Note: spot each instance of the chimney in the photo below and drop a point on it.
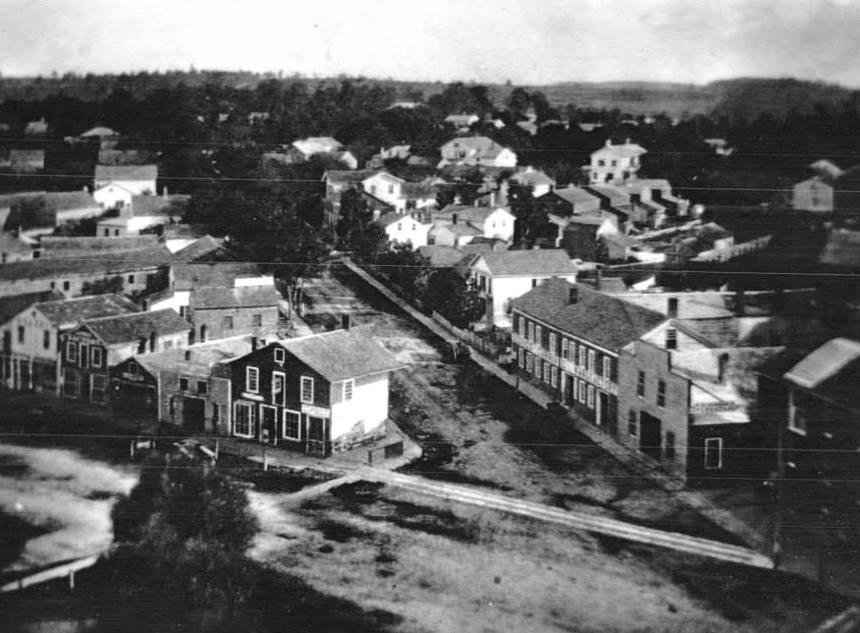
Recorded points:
(345, 322)
(84, 189)
(572, 295)
(609, 142)
(627, 141)
(188, 354)
(453, 218)
(164, 192)
(253, 343)
(723, 362)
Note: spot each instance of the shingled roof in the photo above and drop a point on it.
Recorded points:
(127, 328)
(342, 354)
(602, 319)
(525, 263)
(107, 173)
(14, 304)
(70, 312)
(106, 263)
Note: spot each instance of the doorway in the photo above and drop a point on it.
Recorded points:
(193, 414)
(268, 427)
(317, 436)
(650, 436)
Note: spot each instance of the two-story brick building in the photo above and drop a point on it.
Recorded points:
(30, 357)
(91, 349)
(227, 312)
(317, 394)
(568, 337)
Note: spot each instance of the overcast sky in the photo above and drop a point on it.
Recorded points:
(526, 41)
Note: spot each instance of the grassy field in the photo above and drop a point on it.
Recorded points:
(443, 567)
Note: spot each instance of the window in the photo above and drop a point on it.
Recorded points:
(141, 346)
(71, 351)
(84, 356)
(97, 356)
(661, 393)
(670, 445)
(590, 397)
(671, 338)
(246, 420)
(70, 385)
(65, 285)
(713, 453)
(307, 395)
(538, 367)
(257, 320)
(564, 348)
(280, 355)
(546, 372)
(227, 323)
(582, 391)
(279, 382)
(348, 386)
(522, 323)
(607, 368)
(640, 384)
(183, 384)
(21, 333)
(252, 379)
(601, 163)
(521, 358)
(400, 226)
(292, 425)
(632, 423)
(581, 355)
(591, 360)
(553, 343)
(202, 387)
(534, 283)
(531, 331)
(796, 416)
(183, 312)
(46, 339)
(539, 335)
(529, 362)
(131, 279)
(553, 377)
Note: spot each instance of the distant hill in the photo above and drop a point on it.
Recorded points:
(743, 97)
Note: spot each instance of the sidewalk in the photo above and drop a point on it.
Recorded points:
(336, 465)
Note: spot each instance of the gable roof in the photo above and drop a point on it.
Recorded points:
(347, 176)
(131, 327)
(70, 312)
(107, 173)
(466, 213)
(573, 195)
(623, 150)
(602, 319)
(441, 256)
(532, 177)
(197, 359)
(99, 131)
(842, 249)
(392, 217)
(459, 229)
(200, 275)
(526, 263)
(241, 297)
(199, 248)
(317, 145)
(107, 263)
(43, 207)
(146, 205)
(480, 146)
(342, 354)
(615, 196)
(15, 304)
(824, 362)
(53, 246)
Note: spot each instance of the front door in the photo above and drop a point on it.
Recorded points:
(193, 414)
(317, 436)
(606, 416)
(650, 436)
(268, 430)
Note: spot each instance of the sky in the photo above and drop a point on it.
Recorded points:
(524, 41)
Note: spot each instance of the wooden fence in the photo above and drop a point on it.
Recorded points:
(473, 340)
(63, 570)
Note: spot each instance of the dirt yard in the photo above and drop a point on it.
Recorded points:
(446, 567)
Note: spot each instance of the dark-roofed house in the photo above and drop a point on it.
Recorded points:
(218, 312)
(581, 237)
(567, 338)
(403, 229)
(53, 246)
(32, 325)
(476, 150)
(92, 348)
(318, 394)
(115, 185)
(187, 388)
(569, 201)
(141, 270)
(503, 276)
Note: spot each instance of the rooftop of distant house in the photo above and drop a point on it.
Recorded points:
(465, 213)
(53, 246)
(69, 312)
(199, 248)
(572, 194)
(602, 319)
(99, 131)
(317, 145)
(530, 262)
(224, 274)
(342, 354)
(132, 327)
(348, 176)
(14, 304)
(241, 297)
(622, 150)
(152, 205)
(533, 177)
(108, 173)
(107, 263)
(441, 256)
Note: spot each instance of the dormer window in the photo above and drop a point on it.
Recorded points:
(280, 356)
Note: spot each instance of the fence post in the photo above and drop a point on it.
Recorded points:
(216, 448)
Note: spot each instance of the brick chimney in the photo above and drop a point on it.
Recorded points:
(254, 343)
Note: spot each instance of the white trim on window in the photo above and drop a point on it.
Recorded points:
(97, 357)
(279, 375)
(280, 356)
(592, 357)
(607, 368)
(251, 419)
(252, 379)
(590, 396)
(298, 418)
(710, 443)
(307, 382)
